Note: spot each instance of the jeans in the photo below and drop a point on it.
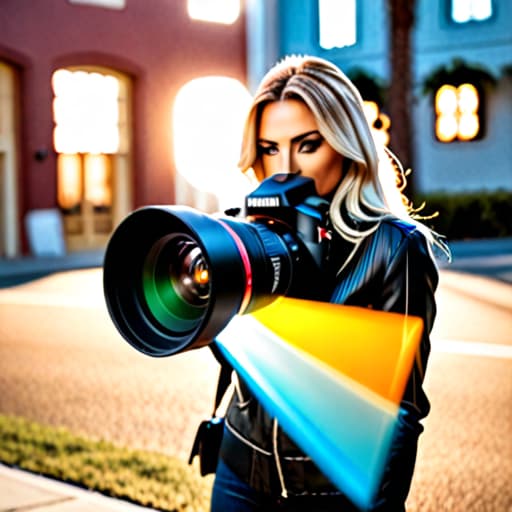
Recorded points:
(231, 494)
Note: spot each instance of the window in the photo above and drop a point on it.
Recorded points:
(471, 10)
(216, 11)
(91, 137)
(86, 112)
(109, 4)
(457, 113)
(337, 23)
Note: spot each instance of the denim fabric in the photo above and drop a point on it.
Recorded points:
(231, 494)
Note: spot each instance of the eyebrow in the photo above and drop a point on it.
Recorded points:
(296, 139)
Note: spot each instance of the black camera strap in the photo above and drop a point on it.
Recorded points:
(224, 376)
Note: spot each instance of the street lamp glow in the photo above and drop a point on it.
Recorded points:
(208, 118)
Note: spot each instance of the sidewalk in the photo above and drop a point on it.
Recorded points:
(20, 270)
(21, 490)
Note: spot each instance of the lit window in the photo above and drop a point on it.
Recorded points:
(471, 10)
(69, 181)
(457, 113)
(86, 112)
(337, 19)
(216, 11)
(87, 129)
(82, 177)
(379, 122)
(109, 4)
(98, 183)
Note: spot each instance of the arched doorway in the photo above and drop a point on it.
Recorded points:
(92, 138)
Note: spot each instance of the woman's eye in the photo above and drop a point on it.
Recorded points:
(267, 150)
(310, 146)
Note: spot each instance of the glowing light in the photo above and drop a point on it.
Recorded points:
(371, 111)
(208, 117)
(468, 126)
(378, 121)
(457, 113)
(329, 358)
(446, 100)
(201, 276)
(467, 98)
(446, 128)
(98, 188)
(317, 334)
(467, 10)
(69, 181)
(338, 22)
(109, 4)
(217, 11)
(86, 112)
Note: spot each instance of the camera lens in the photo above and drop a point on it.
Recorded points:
(173, 278)
(175, 283)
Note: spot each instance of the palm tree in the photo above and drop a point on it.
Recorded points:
(401, 16)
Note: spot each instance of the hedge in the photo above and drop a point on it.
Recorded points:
(482, 214)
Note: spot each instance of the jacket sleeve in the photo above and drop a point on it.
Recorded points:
(408, 287)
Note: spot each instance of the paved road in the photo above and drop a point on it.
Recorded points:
(63, 363)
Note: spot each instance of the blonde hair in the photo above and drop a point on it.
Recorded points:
(371, 187)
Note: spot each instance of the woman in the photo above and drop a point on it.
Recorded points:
(308, 118)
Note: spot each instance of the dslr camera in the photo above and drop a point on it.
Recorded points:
(174, 277)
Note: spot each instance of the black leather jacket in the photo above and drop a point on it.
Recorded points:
(375, 276)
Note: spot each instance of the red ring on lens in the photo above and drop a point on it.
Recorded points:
(246, 264)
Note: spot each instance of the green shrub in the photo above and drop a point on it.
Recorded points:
(471, 215)
(147, 478)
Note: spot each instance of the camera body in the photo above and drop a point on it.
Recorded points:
(292, 202)
(174, 277)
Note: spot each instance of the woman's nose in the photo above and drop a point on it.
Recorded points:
(286, 163)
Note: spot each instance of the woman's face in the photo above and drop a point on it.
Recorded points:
(289, 142)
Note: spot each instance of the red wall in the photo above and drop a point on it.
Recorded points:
(154, 41)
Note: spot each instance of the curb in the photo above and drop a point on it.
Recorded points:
(41, 492)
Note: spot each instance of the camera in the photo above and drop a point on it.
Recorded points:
(173, 276)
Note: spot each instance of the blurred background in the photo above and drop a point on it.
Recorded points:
(110, 105)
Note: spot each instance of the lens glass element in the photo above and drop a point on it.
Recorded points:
(176, 282)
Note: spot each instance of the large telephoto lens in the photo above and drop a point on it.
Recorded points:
(174, 277)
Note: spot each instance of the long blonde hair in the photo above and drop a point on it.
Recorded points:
(371, 188)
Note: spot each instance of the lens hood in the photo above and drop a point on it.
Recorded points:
(142, 294)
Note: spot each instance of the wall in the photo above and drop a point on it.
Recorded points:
(464, 166)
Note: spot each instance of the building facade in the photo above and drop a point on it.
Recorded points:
(454, 40)
(87, 92)
(90, 91)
